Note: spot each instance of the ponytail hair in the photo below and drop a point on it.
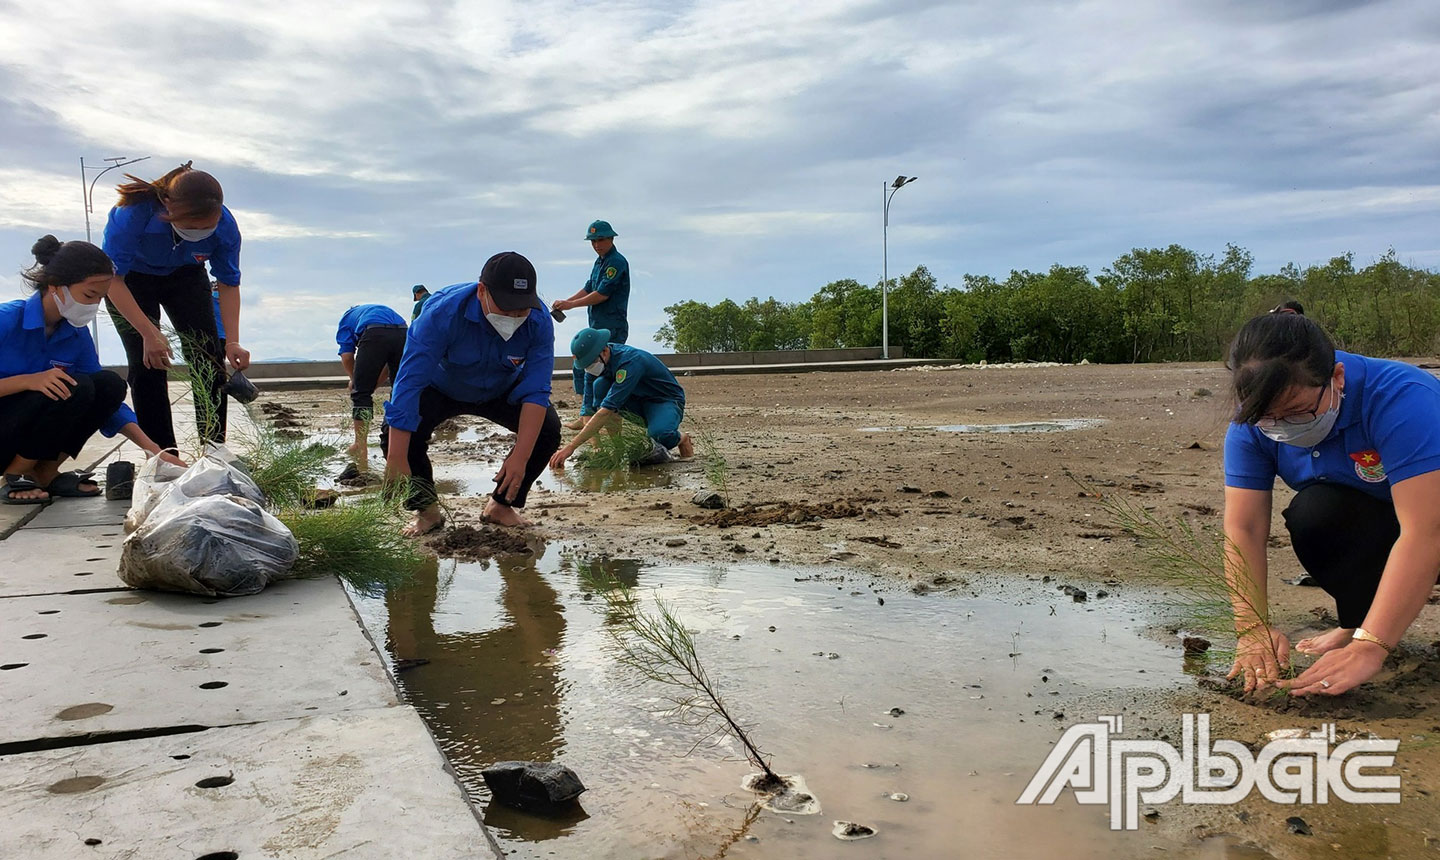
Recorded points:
(1274, 352)
(185, 193)
(60, 264)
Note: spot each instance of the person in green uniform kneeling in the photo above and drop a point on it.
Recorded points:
(606, 298)
(633, 383)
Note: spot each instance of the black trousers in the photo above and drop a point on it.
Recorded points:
(1343, 538)
(435, 408)
(379, 347)
(37, 428)
(185, 296)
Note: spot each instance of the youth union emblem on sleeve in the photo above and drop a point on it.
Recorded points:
(620, 376)
(1368, 466)
(610, 272)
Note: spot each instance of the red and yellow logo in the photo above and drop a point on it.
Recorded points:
(1368, 466)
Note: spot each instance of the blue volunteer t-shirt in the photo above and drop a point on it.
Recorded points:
(633, 374)
(455, 349)
(610, 276)
(354, 322)
(1388, 430)
(24, 348)
(138, 240)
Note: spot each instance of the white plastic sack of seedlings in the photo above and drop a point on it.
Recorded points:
(213, 474)
(218, 546)
(153, 479)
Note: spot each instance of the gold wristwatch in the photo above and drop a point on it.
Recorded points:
(1366, 636)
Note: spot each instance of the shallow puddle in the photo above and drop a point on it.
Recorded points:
(946, 701)
(1056, 426)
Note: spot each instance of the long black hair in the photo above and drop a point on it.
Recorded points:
(60, 264)
(1274, 352)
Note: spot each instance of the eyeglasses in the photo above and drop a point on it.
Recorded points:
(1297, 417)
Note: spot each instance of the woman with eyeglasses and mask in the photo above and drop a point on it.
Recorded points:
(160, 235)
(1358, 439)
(53, 393)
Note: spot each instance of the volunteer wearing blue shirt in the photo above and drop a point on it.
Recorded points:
(53, 393)
(160, 235)
(484, 348)
(1359, 440)
(606, 298)
(633, 383)
(372, 341)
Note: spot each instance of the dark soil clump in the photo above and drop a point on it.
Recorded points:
(471, 543)
(784, 513)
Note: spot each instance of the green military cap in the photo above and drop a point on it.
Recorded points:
(599, 230)
(588, 344)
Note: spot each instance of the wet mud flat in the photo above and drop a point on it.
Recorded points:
(818, 484)
(919, 716)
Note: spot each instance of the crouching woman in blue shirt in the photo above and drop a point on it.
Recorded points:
(632, 383)
(53, 394)
(484, 348)
(1359, 440)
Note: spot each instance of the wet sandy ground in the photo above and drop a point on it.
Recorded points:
(831, 485)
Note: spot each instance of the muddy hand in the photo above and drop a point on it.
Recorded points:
(510, 478)
(1338, 671)
(1261, 654)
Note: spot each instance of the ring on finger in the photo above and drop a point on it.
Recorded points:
(1325, 684)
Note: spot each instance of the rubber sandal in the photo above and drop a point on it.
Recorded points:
(67, 486)
(22, 484)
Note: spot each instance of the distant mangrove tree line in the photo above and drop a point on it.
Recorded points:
(1153, 304)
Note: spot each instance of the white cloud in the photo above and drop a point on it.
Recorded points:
(260, 226)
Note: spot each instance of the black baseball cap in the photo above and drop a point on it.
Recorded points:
(510, 280)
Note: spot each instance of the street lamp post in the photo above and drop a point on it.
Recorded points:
(87, 197)
(887, 193)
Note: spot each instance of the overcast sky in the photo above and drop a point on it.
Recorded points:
(736, 145)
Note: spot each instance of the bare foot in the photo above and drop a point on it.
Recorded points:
(577, 424)
(425, 522)
(503, 515)
(687, 446)
(1317, 645)
(359, 455)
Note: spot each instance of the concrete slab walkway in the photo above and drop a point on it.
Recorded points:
(139, 724)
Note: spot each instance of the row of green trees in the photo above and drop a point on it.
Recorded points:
(1152, 304)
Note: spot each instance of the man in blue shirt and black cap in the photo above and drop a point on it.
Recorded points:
(484, 348)
(633, 383)
(606, 298)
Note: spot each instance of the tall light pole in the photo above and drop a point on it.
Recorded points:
(887, 193)
(87, 197)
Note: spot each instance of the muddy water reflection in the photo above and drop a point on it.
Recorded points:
(817, 666)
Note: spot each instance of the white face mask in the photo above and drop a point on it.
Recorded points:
(595, 368)
(192, 235)
(76, 313)
(506, 326)
(1309, 434)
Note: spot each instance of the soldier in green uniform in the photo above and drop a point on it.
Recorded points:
(606, 298)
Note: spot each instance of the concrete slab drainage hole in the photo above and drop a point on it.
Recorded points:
(214, 685)
(215, 782)
(48, 612)
(211, 623)
(220, 855)
(75, 784)
(101, 558)
(86, 573)
(8, 666)
(211, 650)
(181, 757)
(34, 636)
